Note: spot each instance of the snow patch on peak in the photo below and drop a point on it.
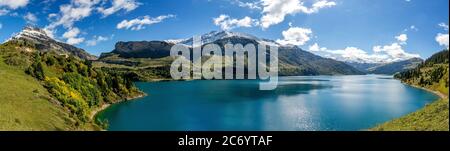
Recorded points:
(33, 33)
(218, 35)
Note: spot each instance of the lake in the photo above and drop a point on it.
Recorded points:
(306, 103)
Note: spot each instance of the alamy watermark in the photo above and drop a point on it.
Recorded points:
(211, 62)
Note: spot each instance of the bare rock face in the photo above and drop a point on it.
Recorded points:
(39, 39)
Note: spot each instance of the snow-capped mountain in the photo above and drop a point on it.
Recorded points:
(40, 41)
(31, 33)
(219, 35)
(293, 60)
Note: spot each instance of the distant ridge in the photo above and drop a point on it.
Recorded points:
(293, 61)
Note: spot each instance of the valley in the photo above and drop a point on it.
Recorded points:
(58, 86)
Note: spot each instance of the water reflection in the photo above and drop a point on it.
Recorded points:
(299, 103)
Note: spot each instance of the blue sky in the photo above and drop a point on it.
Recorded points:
(369, 30)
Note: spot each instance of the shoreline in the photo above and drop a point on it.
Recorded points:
(441, 95)
(107, 105)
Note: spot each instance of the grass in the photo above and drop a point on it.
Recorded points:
(26, 105)
(433, 117)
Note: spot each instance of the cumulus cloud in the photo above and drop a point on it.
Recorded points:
(380, 54)
(442, 39)
(13, 4)
(77, 10)
(443, 25)
(274, 11)
(73, 12)
(72, 36)
(395, 52)
(227, 23)
(97, 39)
(348, 54)
(295, 36)
(140, 22)
(402, 38)
(68, 14)
(117, 5)
(30, 18)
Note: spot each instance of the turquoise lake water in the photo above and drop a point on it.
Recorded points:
(318, 103)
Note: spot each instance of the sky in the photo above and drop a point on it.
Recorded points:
(347, 30)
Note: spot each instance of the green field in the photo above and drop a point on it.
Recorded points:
(26, 105)
(433, 117)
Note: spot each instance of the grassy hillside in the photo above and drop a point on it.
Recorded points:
(48, 91)
(434, 76)
(26, 105)
(395, 67)
(433, 117)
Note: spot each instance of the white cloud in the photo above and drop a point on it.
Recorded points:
(1, 25)
(117, 5)
(295, 36)
(444, 26)
(411, 28)
(250, 5)
(348, 54)
(442, 39)
(274, 11)
(414, 28)
(395, 52)
(381, 54)
(72, 36)
(73, 12)
(139, 23)
(30, 18)
(14, 4)
(316, 47)
(97, 39)
(402, 38)
(227, 23)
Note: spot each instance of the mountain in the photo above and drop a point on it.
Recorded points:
(395, 67)
(37, 39)
(432, 75)
(387, 68)
(362, 66)
(142, 49)
(214, 36)
(292, 60)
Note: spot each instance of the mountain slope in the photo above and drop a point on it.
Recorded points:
(292, 60)
(395, 67)
(37, 39)
(432, 75)
(387, 68)
(54, 90)
(26, 105)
